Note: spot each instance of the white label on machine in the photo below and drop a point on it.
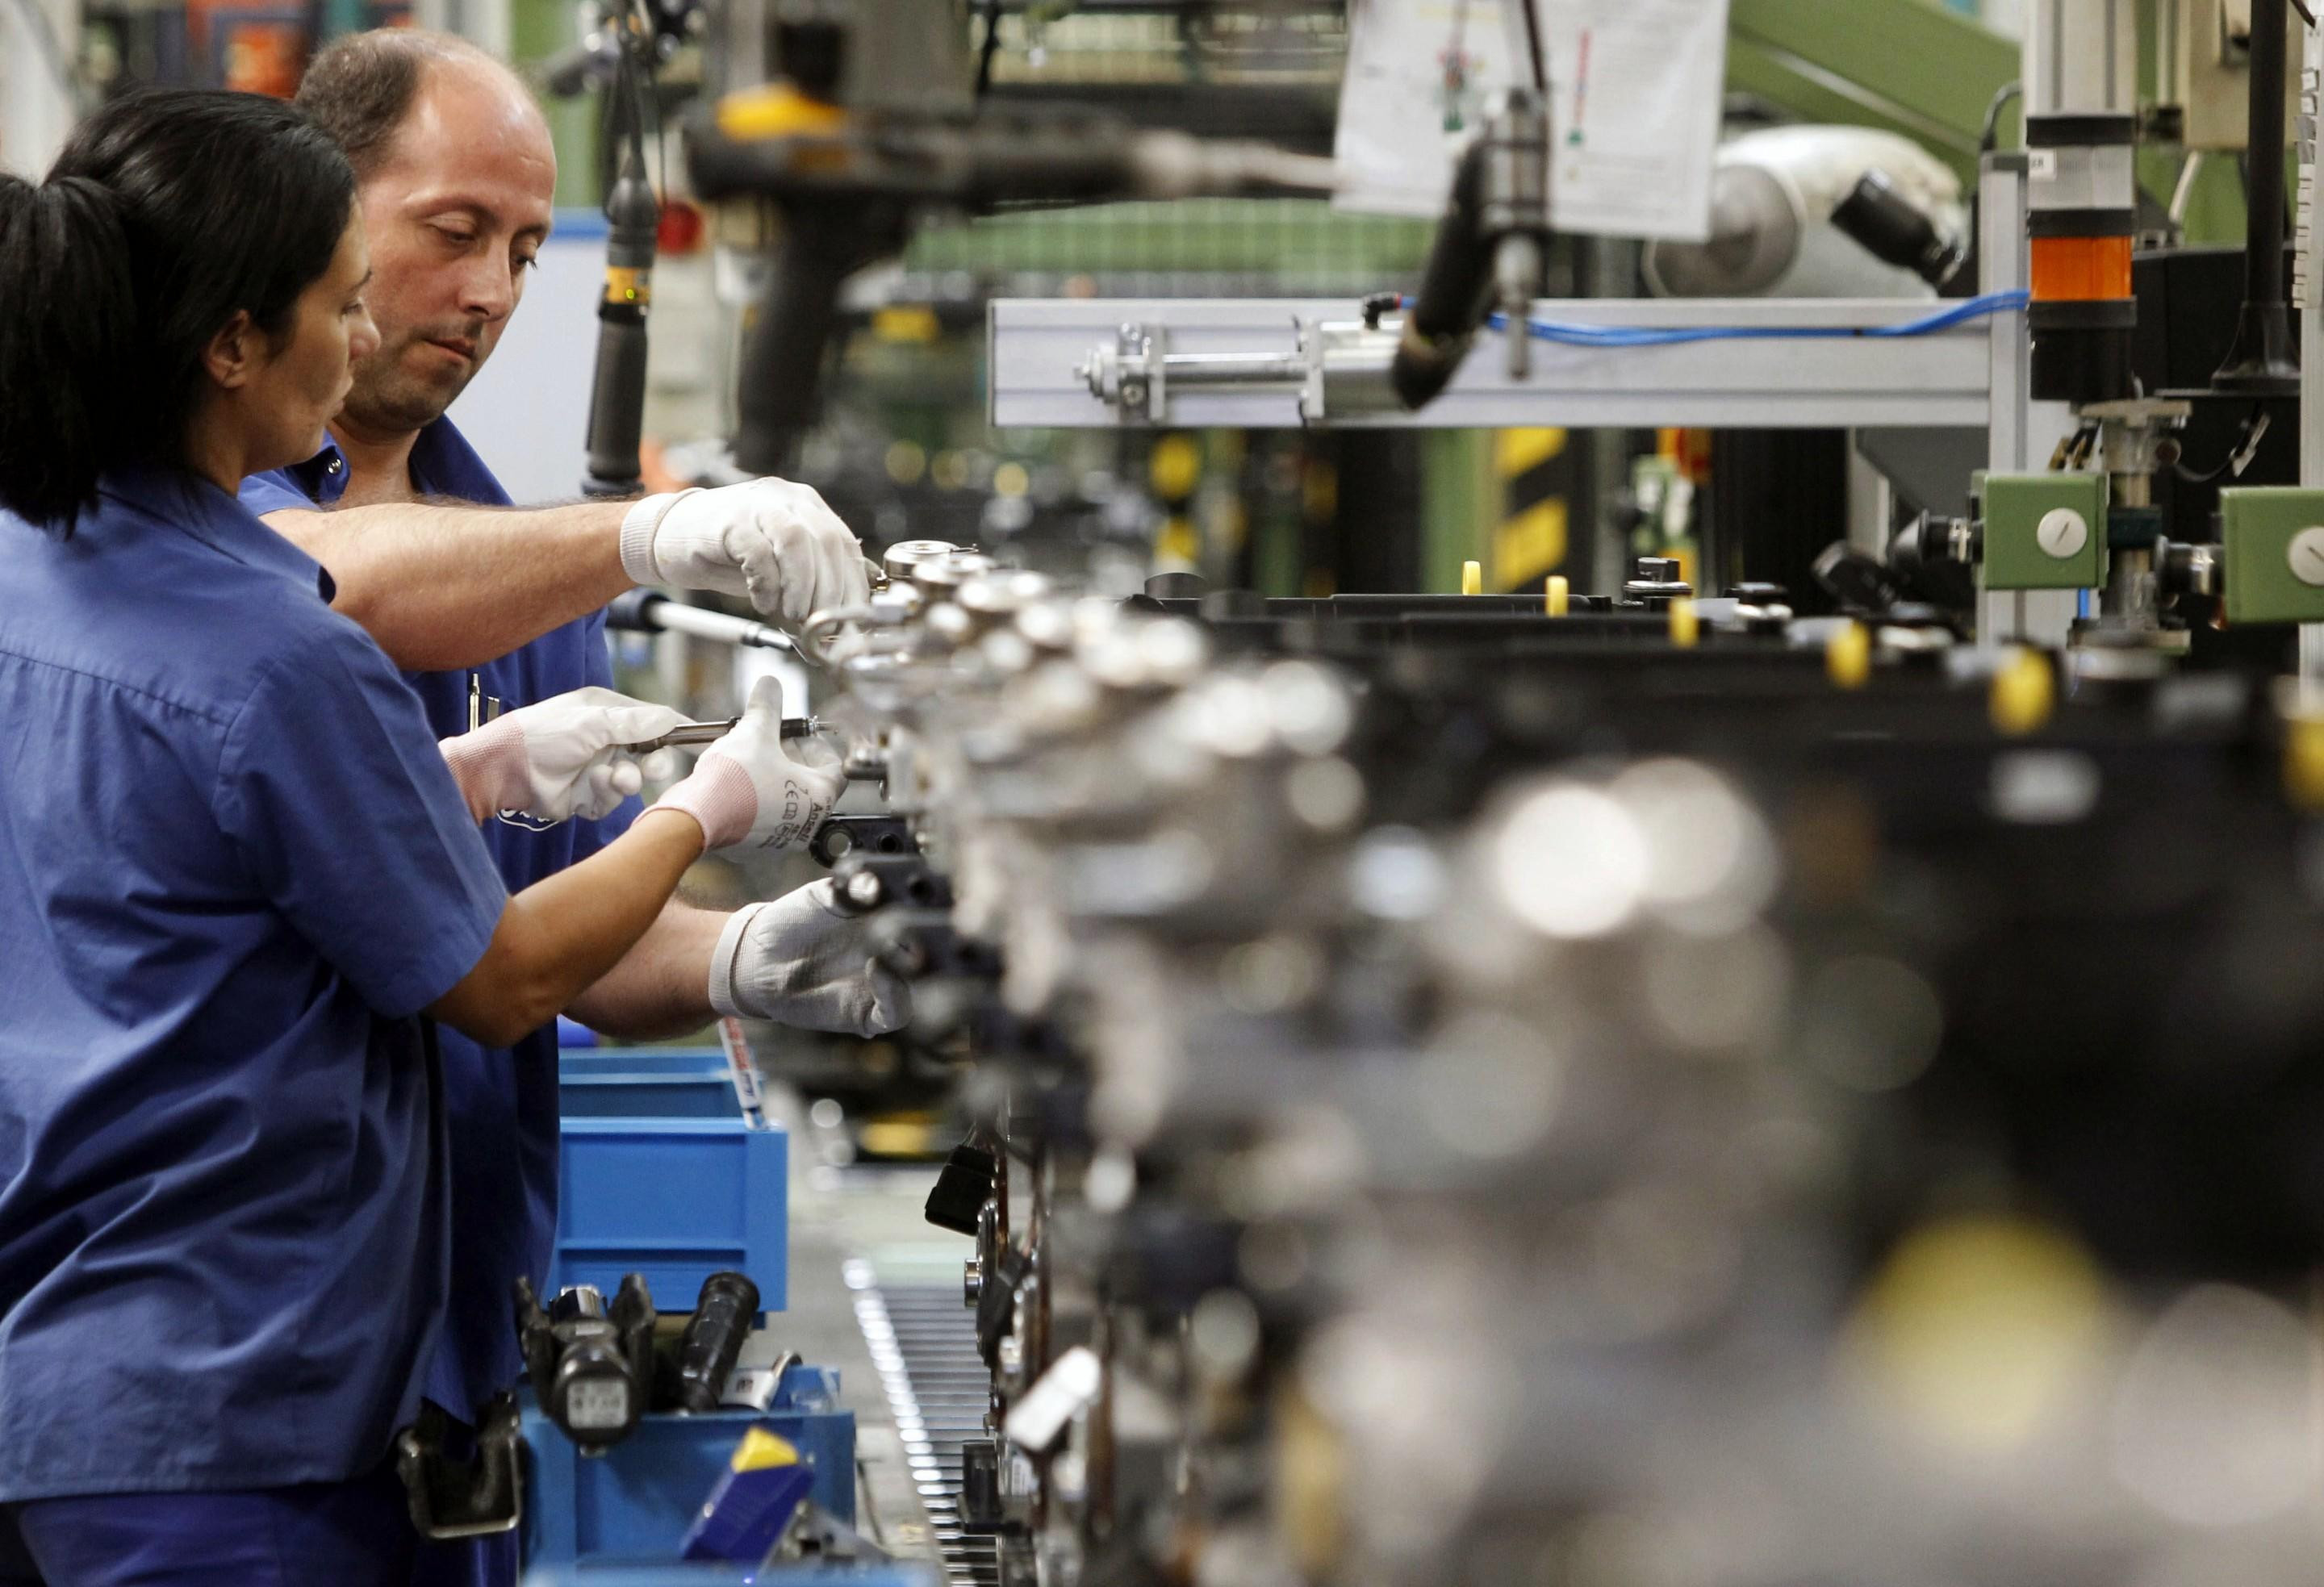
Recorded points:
(593, 1403)
(2042, 165)
(1635, 98)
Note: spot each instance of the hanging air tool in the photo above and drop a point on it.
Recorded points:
(617, 395)
(617, 400)
(1491, 247)
(592, 1369)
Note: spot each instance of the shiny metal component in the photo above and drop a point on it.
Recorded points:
(941, 575)
(1514, 209)
(2181, 569)
(690, 734)
(904, 555)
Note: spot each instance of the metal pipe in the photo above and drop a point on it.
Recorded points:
(1234, 369)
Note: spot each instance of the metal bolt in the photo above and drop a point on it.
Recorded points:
(971, 1281)
(1133, 394)
(864, 889)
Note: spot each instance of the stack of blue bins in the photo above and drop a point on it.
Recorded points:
(662, 1176)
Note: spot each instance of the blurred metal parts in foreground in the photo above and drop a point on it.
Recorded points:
(1664, 1093)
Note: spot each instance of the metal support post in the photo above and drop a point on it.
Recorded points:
(2310, 299)
(2022, 431)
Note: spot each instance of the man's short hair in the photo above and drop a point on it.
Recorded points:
(360, 87)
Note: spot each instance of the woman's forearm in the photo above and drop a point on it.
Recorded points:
(564, 933)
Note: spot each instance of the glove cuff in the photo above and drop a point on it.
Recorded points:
(637, 526)
(722, 961)
(490, 767)
(721, 796)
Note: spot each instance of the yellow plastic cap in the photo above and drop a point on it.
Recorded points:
(2025, 694)
(1848, 656)
(2303, 762)
(1685, 626)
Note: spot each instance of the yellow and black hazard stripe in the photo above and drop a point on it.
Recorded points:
(1537, 472)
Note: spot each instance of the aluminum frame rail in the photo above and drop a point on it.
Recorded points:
(1041, 349)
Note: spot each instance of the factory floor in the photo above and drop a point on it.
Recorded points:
(856, 1230)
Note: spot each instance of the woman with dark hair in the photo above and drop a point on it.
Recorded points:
(239, 877)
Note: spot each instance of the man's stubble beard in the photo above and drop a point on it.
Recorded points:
(383, 401)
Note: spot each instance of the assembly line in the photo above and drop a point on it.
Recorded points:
(1633, 908)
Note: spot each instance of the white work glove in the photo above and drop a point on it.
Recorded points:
(562, 757)
(752, 790)
(769, 539)
(798, 961)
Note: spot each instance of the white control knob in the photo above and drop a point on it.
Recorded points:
(2306, 555)
(2062, 532)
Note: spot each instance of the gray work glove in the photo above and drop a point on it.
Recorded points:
(755, 787)
(565, 756)
(797, 960)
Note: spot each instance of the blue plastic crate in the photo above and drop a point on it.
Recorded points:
(893, 1573)
(645, 1083)
(633, 1504)
(674, 1199)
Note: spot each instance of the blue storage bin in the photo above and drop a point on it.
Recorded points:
(674, 1199)
(645, 1083)
(634, 1503)
(894, 1574)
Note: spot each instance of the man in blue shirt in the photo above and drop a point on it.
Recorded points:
(455, 174)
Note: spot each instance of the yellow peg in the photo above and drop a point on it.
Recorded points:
(2303, 762)
(1685, 627)
(1472, 578)
(2024, 693)
(1848, 655)
(1554, 596)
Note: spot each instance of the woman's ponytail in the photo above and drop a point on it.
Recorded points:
(69, 336)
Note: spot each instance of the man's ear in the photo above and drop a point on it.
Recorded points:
(236, 352)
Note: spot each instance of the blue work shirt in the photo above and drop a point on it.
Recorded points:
(501, 1102)
(233, 870)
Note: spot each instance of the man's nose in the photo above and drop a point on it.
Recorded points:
(487, 290)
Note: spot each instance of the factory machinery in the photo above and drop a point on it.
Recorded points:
(1664, 1093)
(1639, 1088)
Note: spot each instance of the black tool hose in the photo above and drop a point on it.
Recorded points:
(617, 398)
(2262, 359)
(779, 391)
(1455, 290)
(2263, 231)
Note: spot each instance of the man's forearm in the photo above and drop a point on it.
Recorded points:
(661, 987)
(442, 586)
